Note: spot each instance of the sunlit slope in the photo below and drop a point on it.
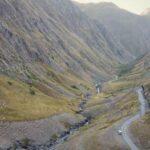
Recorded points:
(139, 71)
(20, 101)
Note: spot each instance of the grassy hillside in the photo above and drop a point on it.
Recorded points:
(140, 71)
(41, 49)
(51, 56)
(20, 101)
(53, 53)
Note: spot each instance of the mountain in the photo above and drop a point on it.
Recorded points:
(55, 39)
(51, 56)
(30, 39)
(93, 33)
(51, 53)
(55, 34)
(53, 45)
(131, 31)
(146, 12)
(42, 62)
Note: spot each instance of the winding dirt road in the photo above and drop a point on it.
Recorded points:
(125, 126)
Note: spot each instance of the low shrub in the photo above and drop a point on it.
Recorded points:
(32, 92)
(25, 143)
(75, 87)
(9, 82)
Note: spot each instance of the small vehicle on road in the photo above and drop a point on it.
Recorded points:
(119, 132)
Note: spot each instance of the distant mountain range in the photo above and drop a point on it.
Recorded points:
(130, 30)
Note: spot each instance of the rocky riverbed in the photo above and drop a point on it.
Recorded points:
(42, 134)
(37, 132)
(50, 145)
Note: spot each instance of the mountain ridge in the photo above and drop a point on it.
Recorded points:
(131, 30)
(146, 12)
(37, 46)
(21, 29)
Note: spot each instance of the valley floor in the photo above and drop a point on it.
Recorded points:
(117, 102)
(108, 110)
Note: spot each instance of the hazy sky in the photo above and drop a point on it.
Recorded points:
(136, 6)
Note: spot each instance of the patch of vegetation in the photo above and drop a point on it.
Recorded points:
(53, 57)
(54, 136)
(25, 143)
(124, 69)
(112, 88)
(14, 146)
(51, 74)
(148, 87)
(85, 86)
(30, 75)
(9, 82)
(74, 87)
(32, 92)
(66, 124)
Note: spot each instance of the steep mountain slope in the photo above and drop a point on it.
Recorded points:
(93, 33)
(140, 70)
(30, 34)
(54, 51)
(132, 31)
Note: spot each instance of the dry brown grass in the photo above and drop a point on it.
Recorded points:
(110, 109)
(141, 132)
(20, 101)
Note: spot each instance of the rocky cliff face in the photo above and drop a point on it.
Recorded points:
(130, 30)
